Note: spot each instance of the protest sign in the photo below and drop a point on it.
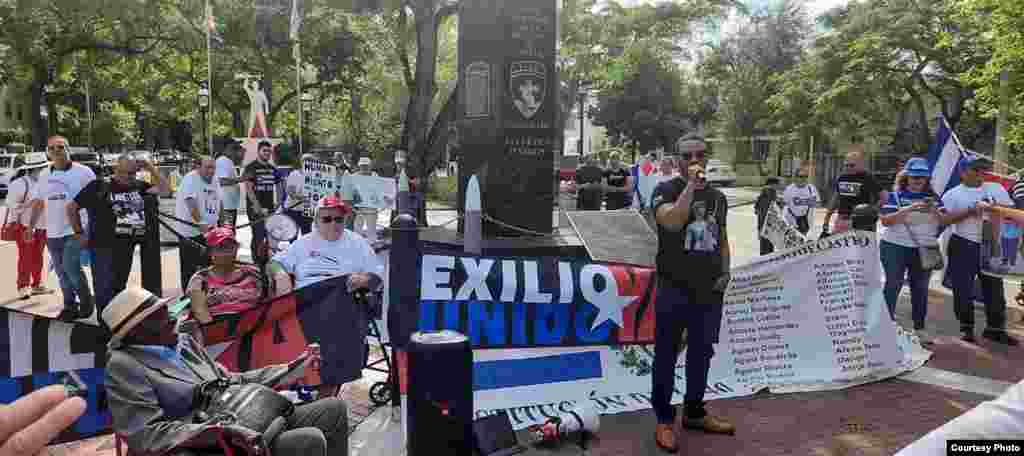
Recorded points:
(370, 191)
(779, 232)
(319, 179)
(807, 318)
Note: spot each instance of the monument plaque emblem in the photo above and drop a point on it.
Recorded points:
(478, 90)
(527, 82)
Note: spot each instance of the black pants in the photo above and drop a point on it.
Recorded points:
(305, 223)
(803, 224)
(766, 246)
(258, 246)
(117, 258)
(963, 266)
(193, 257)
(699, 312)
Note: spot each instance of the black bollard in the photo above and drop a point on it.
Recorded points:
(440, 394)
(404, 300)
(864, 217)
(149, 249)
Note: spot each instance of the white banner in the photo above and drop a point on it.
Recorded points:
(318, 180)
(779, 232)
(370, 191)
(809, 318)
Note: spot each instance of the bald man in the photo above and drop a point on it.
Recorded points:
(197, 202)
(854, 187)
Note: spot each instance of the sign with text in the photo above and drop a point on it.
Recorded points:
(780, 331)
(319, 179)
(370, 191)
(779, 232)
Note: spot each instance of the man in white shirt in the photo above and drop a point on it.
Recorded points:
(197, 202)
(329, 251)
(57, 186)
(964, 208)
(800, 199)
(227, 177)
(295, 200)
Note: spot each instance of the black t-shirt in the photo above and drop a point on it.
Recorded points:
(588, 199)
(261, 176)
(617, 178)
(854, 189)
(691, 256)
(116, 209)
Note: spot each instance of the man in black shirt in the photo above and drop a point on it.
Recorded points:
(589, 186)
(258, 187)
(851, 189)
(693, 273)
(619, 185)
(117, 223)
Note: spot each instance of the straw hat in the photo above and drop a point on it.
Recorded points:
(127, 309)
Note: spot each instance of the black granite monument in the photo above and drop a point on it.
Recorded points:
(508, 110)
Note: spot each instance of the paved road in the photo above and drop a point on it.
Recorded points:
(874, 419)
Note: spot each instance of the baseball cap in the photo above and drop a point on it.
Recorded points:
(917, 167)
(975, 162)
(218, 235)
(333, 202)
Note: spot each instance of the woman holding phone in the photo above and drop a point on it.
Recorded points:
(910, 219)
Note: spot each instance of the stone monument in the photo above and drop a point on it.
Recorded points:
(508, 107)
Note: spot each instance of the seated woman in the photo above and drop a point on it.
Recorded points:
(227, 286)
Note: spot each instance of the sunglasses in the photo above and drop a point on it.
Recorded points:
(57, 147)
(695, 155)
(225, 247)
(329, 219)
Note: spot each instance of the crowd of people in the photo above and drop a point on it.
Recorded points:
(155, 363)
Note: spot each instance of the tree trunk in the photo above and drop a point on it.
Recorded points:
(237, 124)
(415, 129)
(39, 125)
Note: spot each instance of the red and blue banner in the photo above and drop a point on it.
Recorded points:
(523, 302)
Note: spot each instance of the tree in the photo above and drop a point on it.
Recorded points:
(741, 68)
(41, 36)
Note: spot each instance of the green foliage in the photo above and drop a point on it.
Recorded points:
(444, 190)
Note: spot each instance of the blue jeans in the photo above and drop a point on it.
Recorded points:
(66, 256)
(1010, 250)
(699, 311)
(899, 262)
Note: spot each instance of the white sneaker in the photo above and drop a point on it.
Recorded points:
(24, 293)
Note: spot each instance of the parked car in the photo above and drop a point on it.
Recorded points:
(9, 164)
(720, 173)
(89, 158)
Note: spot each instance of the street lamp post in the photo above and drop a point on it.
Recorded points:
(306, 102)
(204, 104)
(584, 89)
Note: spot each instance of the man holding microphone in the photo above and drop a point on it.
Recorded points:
(693, 272)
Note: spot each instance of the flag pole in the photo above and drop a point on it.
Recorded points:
(962, 149)
(209, 79)
(298, 83)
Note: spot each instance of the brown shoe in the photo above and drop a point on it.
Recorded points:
(665, 437)
(710, 424)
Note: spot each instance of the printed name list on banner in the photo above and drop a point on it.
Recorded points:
(319, 179)
(780, 331)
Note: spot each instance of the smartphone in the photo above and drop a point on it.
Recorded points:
(73, 385)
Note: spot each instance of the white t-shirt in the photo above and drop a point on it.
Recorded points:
(312, 259)
(800, 200)
(294, 183)
(230, 195)
(57, 188)
(207, 197)
(962, 197)
(19, 202)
